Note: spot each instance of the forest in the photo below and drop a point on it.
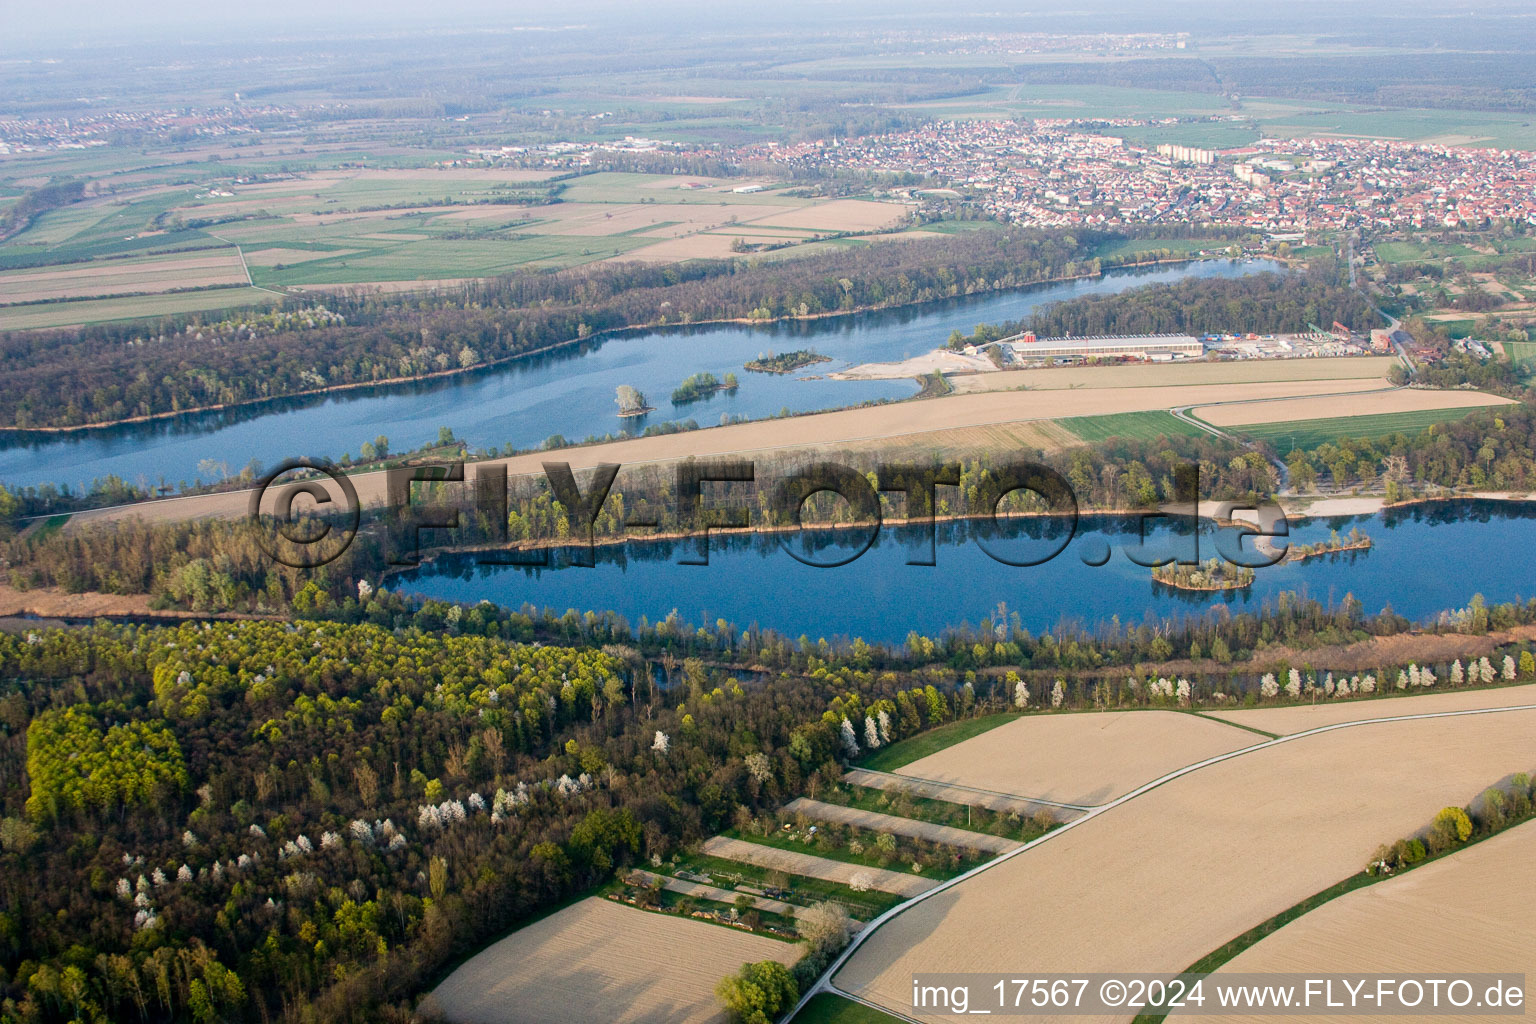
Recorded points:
(314, 819)
(1260, 303)
(110, 372)
(327, 814)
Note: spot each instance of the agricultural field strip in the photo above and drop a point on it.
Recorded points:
(991, 798)
(845, 426)
(825, 982)
(1392, 925)
(1078, 760)
(1361, 368)
(884, 879)
(910, 827)
(701, 891)
(1306, 717)
(1397, 400)
(600, 960)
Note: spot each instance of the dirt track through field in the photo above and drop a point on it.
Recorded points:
(1226, 846)
(819, 811)
(1083, 759)
(1460, 914)
(899, 882)
(599, 961)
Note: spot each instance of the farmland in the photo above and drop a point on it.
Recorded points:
(1142, 426)
(1407, 403)
(1079, 759)
(597, 960)
(796, 863)
(332, 227)
(915, 828)
(1365, 369)
(104, 278)
(1285, 721)
(1309, 434)
(1096, 895)
(1401, 924)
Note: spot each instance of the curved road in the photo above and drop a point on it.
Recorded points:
(825, 982)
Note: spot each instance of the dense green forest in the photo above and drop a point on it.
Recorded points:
(1261, 303)
(109, 372)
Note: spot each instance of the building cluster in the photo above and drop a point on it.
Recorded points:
(1058, 173)
(88, 130)
(1026, 349)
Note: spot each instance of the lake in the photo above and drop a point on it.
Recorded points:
(1425, 559)
(569, 392)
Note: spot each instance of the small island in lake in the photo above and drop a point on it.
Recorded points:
(786, 362)
(1354, 541)
(1212, 575)
(631, 402)
(702, 385)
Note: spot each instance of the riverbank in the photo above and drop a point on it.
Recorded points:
(553, 347)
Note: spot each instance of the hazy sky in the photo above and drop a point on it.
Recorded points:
(26, 23)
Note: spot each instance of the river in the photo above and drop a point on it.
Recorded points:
(569, 392)
(1425, 559)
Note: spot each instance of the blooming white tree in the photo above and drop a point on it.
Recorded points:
(124, 888)
(188, 839)
(1293, 684)
(364, 590)
(1328, 685)
(1058, 694)
(1269, 686)
(1415, 677)
(885, 725)
(759, 767)
(1509, 669)
(1402, 680)
(158, 877)
(184, 874)
(862, 881)
(660, 744)
(1183, 691)
(1020, 695)
(871, 732)
(1458, 674)
(850, 741)
(1486, 668)
(1368, 684)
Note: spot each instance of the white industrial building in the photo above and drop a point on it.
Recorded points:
(1152, 347)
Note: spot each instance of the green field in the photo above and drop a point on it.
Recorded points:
(95, 311)
(904, 752)
(1140, 426)
(1309, 434)
(1523, 355)
(829, 1009)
